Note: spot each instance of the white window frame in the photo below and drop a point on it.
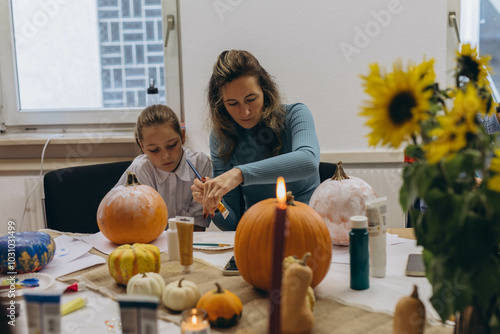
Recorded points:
(469, 31)
(11, 115)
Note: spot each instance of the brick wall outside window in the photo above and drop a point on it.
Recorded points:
(131, 51)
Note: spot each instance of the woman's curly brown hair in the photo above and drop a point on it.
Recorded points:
(231, 65)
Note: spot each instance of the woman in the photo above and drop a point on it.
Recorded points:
(254, 140)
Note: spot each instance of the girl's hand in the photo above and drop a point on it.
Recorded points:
(198, 189)
(215, 188)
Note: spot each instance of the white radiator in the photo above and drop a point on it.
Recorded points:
(385, 182)
(33, 218)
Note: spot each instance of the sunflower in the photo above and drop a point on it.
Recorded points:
(455, 126)
(400, 101)
(494, 183)
(470, 65)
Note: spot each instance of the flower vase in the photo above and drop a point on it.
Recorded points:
(472, 320)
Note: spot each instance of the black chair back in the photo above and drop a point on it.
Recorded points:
(326, 170)
(73, 194)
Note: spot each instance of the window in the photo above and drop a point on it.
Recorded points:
(83, 62)
(480, 26)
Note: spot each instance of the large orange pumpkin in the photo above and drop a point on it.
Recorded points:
(253, 244)
(133, 213)
(338, 199)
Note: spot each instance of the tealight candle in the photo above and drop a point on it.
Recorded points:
(194, 321)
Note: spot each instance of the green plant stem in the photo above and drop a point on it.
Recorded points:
(446, 177)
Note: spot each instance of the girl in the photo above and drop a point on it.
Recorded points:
(163, 163)
(254, 140)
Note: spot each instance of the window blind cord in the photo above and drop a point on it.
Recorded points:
(39, 177)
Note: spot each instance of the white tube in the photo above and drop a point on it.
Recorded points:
(376, 211)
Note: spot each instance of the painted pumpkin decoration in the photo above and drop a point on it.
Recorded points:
(338, 199)
(223, 307)
(25, 252)
(146, 284)
(127, 261)
(180, 295)
(133, 213)
(306, 232)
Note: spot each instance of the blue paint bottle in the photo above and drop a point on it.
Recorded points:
(358, 251)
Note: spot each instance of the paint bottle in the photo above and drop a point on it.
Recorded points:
(172, 241)
(376, 210)
(359, 253)
(43, 312)
(138, 314)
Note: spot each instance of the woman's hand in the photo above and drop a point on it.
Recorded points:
(214, 189)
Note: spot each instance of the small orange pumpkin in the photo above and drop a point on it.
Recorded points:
(133, 213)
(223, 307)
(306, 232)
(338, 199)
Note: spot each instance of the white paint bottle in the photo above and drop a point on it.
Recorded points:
(172, 240)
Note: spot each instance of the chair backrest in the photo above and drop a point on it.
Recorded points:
(73, 194)
(326, 170)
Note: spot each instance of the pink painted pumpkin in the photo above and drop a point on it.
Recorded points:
(339, 198)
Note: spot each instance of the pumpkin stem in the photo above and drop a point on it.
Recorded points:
(132, 179)
(339, 173)
(290, 198)
(180, 286)
(219, 289)
(144, 275)
(414, 294)
(303, 261)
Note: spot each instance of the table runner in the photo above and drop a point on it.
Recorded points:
(330, 316)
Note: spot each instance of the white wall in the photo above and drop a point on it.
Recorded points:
(299, 42)
(12, 200)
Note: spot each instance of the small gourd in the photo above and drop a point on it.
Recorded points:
(224, 308)
(409, 317)
(296, 313)
(129, 260)
(180, 295)
(146, 284)
(294, 259)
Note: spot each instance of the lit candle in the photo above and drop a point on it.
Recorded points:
(194, 321)
(278, 247)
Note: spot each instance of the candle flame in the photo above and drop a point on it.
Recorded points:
(194, 319)
(281, 191)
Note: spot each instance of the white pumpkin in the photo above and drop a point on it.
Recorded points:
(338, 199)
(146, 284)
(180, 295)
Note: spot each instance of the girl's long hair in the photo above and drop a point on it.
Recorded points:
(157, 114)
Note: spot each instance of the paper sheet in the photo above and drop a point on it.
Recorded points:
(84, 261)
(102, 244)
(214, 237)
(67, 249)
